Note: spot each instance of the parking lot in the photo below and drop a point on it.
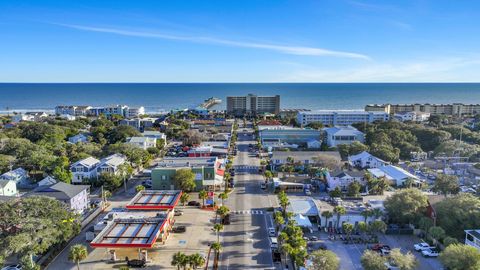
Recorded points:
(197, 238)
(350, 254)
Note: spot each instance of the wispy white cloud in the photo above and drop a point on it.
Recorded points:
(372, 7)
(285, 49)
(442, 70)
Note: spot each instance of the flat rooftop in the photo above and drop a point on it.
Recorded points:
(187, 162)
(140, 231)
(155, 200)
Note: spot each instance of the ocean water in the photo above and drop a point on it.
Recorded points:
(157, 97)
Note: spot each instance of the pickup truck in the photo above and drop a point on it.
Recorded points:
(431, 252)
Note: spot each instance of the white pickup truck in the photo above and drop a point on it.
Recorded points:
(431, 252)
(422, 246)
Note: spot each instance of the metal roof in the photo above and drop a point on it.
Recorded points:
(155, 199)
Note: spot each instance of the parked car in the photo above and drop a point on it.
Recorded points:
(422, 246)
(313, 238)
(378, 247)
(263, 186)
(226, 220)
(273, 243)
(147, 183)
(12, 267)
(194, 203)
(308, 192)
(179, 229)
(178, 213)
(431, 252)
(136, 263)
(272, 232)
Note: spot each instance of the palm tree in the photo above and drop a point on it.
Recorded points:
(223, 196)
(77, 254)
(196, 260)
(279, 220)
(377, 213)
(347, 228)
(339, 210)
(203, 195)
(223, 211)
(179, 260)
(184, 198)
(217, 228)
(328, 215)
(366, 214)
(216, 247)
(283, 198)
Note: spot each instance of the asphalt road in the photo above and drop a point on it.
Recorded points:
(245, 241)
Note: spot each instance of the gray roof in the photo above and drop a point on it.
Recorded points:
(59, 191)
(349, 173)
(303, 155)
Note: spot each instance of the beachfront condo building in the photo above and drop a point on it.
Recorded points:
(454, 109)
(252, 105)
(340, 117)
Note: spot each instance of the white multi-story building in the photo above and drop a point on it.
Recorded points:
(139, 123)
(155, 134)
(343, 179)
(72, 110)
(135, 112)
(8, 188)
(75, 196)
(472, 238)
(340, 117)
(412, 116)
(343, 135)
(142, 142)
(19, 176)
(123, 110)
(366, 160)
(111, 164)
(84, 169)
(253, 105)
(29, 116)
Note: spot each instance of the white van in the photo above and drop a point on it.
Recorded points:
(273, 243)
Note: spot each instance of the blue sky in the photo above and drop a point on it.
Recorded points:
(240, 41)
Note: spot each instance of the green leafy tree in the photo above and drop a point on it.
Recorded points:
(77, 254)
(403, 261)
(268, 174)
(460, 257)
(335, 193)
(446, 184)
(372, 260)
(347, 228)
(139, 188)
(406, 206)
(111, 181)
(437, 233)
(447, 241)
(32, 225)
(353, 189)
(184, 198)
(458, 213)
(324, 260)
(185, 179)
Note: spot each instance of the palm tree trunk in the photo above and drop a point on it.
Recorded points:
(78, 265)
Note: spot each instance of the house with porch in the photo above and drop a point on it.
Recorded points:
(84, 170)
(343, 178)
(365, 160)
(75, 196)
